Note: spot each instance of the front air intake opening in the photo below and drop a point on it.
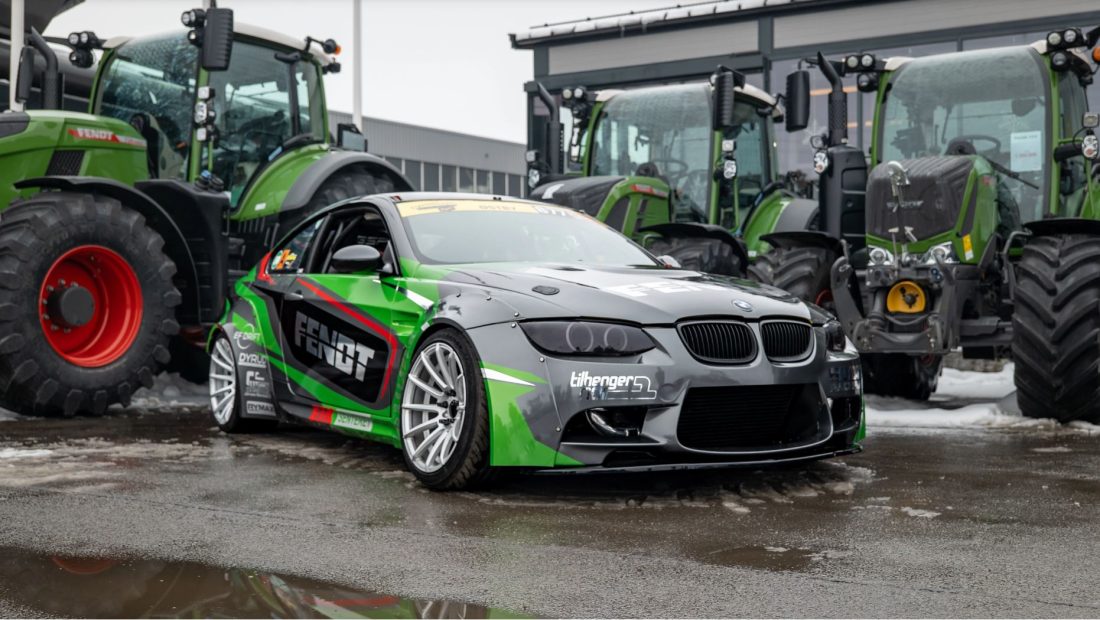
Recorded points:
(605, 425)
(752, 417)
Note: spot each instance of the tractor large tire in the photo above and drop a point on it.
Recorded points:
(700, 254)
(762, 268)
(901, 375)
(87, 304)
(803, 272)
(1056, 328)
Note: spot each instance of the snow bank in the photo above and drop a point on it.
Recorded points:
(965, 399)
(170, 390)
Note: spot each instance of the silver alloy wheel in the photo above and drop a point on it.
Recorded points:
(433, 407)
(223, 381)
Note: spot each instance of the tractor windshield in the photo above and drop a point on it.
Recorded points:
(660, 132)
(991, 103)
(155, 78)
(263, 101)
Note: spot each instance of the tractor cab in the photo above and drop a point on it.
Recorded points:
(229, 123)
(682, 168)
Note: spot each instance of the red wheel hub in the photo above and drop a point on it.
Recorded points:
(90, 306)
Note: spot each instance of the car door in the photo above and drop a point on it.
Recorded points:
(340, 349)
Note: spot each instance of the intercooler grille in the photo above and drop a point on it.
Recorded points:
(786, 341)
(719, 342)
(739, 417)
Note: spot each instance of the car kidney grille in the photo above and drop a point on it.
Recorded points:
(787, 341)
(739, 417)
(719, 342)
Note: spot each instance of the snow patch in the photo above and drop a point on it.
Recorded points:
(918, 512)
(171, 390)
(18, 453)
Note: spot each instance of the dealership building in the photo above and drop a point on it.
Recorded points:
(765, 39)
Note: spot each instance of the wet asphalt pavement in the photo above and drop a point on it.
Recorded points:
(155, 513)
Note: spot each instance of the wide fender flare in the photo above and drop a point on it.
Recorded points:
(307, 184)
(175, 244)
(1063, 226)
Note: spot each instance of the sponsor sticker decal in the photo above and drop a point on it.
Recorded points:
(255, 384)
(335, 349)
(251, 360)
(352, 422)
(612, 387)
(245, 338)
(659, 287)
(258, 408)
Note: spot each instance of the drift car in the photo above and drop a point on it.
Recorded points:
(476, 333)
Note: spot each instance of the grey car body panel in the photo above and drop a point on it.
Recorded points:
(489, 303)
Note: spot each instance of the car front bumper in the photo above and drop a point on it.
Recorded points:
(669, 401)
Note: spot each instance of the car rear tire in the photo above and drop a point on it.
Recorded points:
(1056, 328)
(68, 349)
(225, 394)
(444, 414)
(901, 375)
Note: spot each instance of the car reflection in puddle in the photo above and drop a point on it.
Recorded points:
(127, 588)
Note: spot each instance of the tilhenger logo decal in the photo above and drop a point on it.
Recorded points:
(612, 387)
(336, 349)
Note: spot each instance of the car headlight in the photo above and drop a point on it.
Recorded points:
(834, 337)
(944, 252)
(587, 338)
(880, 256)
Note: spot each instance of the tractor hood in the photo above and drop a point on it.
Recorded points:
(930, 204)
(648, 296)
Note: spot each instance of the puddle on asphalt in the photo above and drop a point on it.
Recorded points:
(96, 587)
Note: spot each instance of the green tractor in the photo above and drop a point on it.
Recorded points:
(978, 226)
(122, 228)
(687, 170)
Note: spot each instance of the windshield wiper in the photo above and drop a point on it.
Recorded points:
(1010, 174)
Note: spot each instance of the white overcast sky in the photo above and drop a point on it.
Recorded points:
(438, 63)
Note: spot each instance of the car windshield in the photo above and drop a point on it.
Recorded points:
(662, 132)
(993, 101)
(154, 77)
(474, 231)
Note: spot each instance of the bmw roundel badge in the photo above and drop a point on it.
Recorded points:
(744, 305)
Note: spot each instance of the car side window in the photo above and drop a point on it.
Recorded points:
(363, 226)
(292, 256)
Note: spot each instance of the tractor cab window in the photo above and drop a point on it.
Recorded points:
(660, 132)
(1073, 179)
(753, 151)
(991, 103)
(266, 99)
(153, 79)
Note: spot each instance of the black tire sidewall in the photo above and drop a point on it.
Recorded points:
(459, 469)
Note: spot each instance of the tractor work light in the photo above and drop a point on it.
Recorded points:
(567, 94)
(943, 253)
(852, 62)
(193, 18)
(531, 156)
(821, 162)
(579, 93)
(867, 61)
(728, 145)
(74, 38)
(1090, 146)
(533, 178)
(879, 256)
(1059, 61)
(867, 82)
(1054, 39)
(729, 169)
(1071, 37)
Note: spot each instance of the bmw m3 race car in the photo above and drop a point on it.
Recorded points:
(477, 332)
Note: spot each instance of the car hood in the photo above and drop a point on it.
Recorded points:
(639, 295)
